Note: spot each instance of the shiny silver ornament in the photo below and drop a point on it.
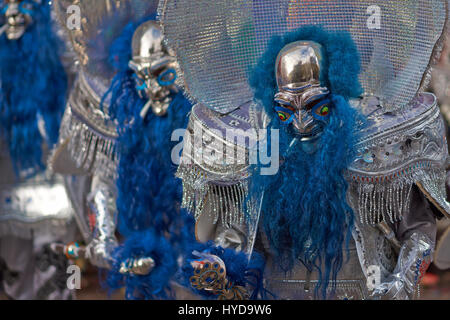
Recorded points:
(141, 266)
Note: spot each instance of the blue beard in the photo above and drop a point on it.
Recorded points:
(304, 211)
(32, 83)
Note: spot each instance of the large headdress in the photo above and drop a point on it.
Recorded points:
(218, 43)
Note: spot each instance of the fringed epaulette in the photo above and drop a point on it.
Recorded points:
(92, 134)
(395, 152)
(225, 200)
(209, 180)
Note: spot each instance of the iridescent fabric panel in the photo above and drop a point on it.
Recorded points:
(101, 22)
(218, 42)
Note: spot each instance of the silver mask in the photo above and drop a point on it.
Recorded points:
(154, 67)
(17, 18)
(300, 98)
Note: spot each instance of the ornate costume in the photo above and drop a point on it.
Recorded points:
(349, 211)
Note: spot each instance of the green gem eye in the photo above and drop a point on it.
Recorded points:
(283, 116)
(324, 111)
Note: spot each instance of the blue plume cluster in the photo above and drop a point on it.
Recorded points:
(32, 85)
(155, 284)
(148, 192)
(304, 212)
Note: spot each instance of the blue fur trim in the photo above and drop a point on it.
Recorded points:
(155, 285)
(33, 83)
(240, 271)
(314, 225)
(148, 192)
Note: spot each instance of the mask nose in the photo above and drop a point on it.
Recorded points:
(304, 121)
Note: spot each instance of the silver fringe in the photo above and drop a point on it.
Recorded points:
(390, 200)
(378, 202)
(90, 150)
(229, 202)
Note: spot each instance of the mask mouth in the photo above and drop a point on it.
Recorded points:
(15, 32)
(309, 132)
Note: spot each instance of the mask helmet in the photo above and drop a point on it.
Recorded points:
(298, 70)
(154, 66)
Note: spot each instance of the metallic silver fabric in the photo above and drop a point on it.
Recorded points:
(78, 188)
(102, 204)
(299, 283)
(218, 42)
(102, 21)
(395, 151)
(33, 206)
(36, 206)
(205, 169)
(382, 255)
(87, 135)
(34, 212)
(414, 258)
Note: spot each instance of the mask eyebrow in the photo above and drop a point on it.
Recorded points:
(283, 99)
(312, 104)
(285, 105)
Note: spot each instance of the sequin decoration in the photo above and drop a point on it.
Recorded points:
(217, 42)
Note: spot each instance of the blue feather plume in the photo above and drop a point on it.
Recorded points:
(155, 285)
(32, 86)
